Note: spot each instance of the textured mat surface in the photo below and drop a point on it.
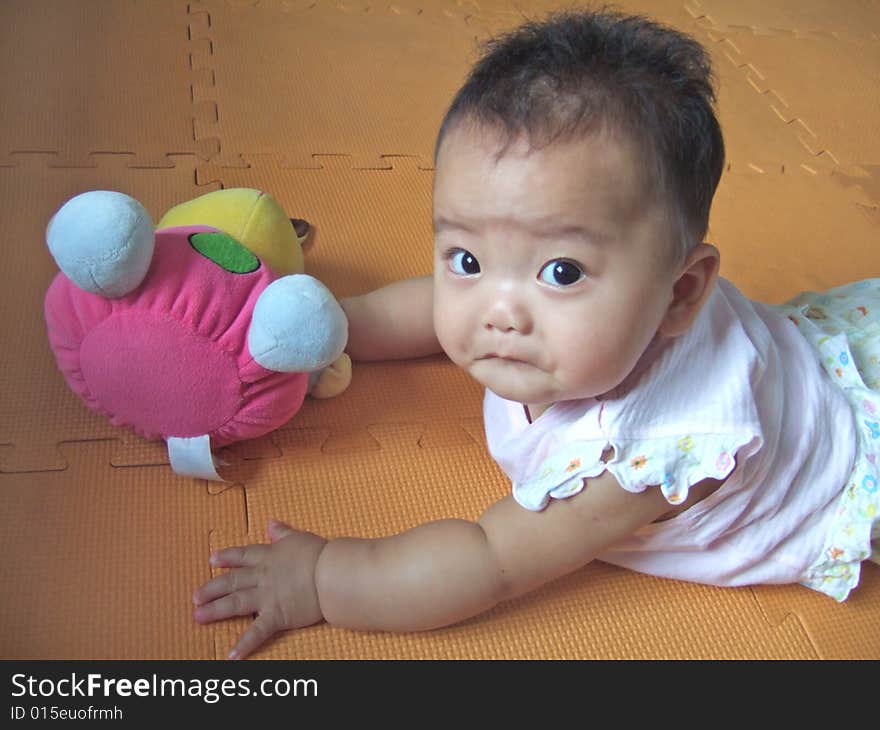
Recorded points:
(332, 107)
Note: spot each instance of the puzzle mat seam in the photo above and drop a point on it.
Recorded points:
(821, 156)
(207, 133)
(703, 16)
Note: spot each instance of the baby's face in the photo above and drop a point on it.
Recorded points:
(552, 271)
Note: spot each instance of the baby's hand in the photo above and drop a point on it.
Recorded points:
(276, 582)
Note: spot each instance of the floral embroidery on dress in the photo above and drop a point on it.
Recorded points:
(674, 464)
(723, 461)
(856, 314)
(561, 475)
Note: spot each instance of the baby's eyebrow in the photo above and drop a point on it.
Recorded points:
(570, 231)
(539, 229)
(445, 224)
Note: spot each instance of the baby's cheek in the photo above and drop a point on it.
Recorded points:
(457, 352)
(589, 371)
(451, 336)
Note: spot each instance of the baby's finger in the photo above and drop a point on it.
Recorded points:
(278, 529)
(257, 634)
(222, 585)
(240, 603)
(238, 557)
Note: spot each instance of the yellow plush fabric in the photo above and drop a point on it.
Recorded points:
(253, 217)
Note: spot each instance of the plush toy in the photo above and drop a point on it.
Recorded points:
(203, 331)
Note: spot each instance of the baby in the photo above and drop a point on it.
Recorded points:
(646, 413)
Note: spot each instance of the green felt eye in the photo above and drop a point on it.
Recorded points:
(225, 251)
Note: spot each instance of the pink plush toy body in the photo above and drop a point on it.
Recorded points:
(171, 358)
(184, 333)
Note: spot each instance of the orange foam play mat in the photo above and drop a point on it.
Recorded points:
(332, 107)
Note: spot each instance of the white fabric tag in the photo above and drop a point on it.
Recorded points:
(191, 457)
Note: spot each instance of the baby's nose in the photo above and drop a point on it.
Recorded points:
(507, 312)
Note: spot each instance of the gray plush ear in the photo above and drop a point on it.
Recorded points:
(103, 241)
(297, 326)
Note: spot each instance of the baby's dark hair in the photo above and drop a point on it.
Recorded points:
(578, 72)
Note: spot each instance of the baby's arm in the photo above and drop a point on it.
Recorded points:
(433, 575)
(392, 323)
(443, 572)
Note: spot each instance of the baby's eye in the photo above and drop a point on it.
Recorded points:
(561, 272)
(463, 262)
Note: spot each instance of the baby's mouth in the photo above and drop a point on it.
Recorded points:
(505, 358)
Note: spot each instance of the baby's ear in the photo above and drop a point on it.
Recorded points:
(691, 289)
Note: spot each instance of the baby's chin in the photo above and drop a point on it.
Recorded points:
(528, 385)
